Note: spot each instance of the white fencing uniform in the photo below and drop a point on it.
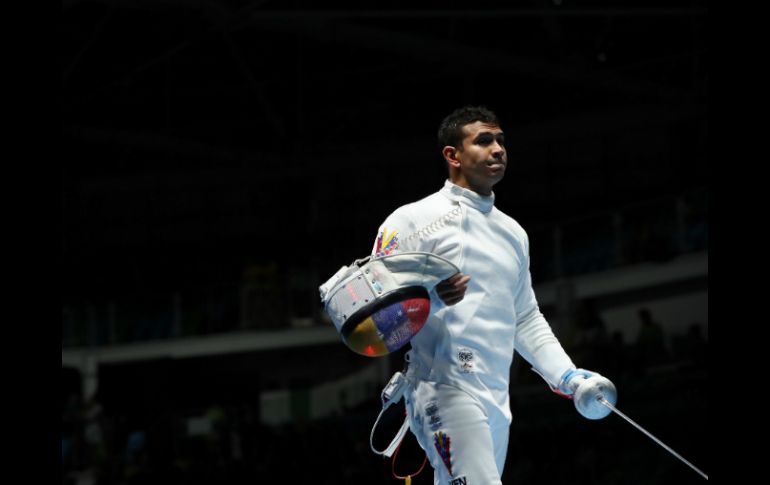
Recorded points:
(458, 403)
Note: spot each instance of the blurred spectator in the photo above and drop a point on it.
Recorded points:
(136, 456)
(616, 363)
(589, 343)
(93, 433)
(691, 346)
(650, 341)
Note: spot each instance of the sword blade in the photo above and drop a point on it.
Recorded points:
(666, 447)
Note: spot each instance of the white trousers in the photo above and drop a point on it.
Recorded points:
(464, 444)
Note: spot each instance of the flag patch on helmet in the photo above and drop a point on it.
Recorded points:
(443, 444)
(387, 242)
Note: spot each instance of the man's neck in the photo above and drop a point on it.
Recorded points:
(461, 181)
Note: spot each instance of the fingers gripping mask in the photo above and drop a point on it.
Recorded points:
(378, 305)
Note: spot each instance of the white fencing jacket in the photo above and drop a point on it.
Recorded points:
(471, 344)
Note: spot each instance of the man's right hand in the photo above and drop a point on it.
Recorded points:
(452, 289)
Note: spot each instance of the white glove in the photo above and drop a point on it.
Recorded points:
(571, 380)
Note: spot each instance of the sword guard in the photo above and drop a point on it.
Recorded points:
(588, 394)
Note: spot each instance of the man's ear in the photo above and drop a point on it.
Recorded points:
(450, 155)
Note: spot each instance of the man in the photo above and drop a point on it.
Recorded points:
(459, 364)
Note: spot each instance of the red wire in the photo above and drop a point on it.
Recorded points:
(393, 464)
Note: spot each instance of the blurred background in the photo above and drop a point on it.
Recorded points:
(222, 159)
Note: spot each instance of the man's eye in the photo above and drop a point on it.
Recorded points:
(484, 140)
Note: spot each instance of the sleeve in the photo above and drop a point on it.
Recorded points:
(393, 237)
(535, 340)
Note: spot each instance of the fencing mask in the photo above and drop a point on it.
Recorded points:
(379, 304)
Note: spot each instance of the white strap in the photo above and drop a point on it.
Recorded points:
(397, 440)
(391, 394)
(388, 452)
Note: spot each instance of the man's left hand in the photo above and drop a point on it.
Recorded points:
(452, 289)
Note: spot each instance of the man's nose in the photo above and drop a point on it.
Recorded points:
(498, 150)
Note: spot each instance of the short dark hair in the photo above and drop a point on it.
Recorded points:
(450, 132)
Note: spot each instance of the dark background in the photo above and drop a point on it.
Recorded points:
(205, 139)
